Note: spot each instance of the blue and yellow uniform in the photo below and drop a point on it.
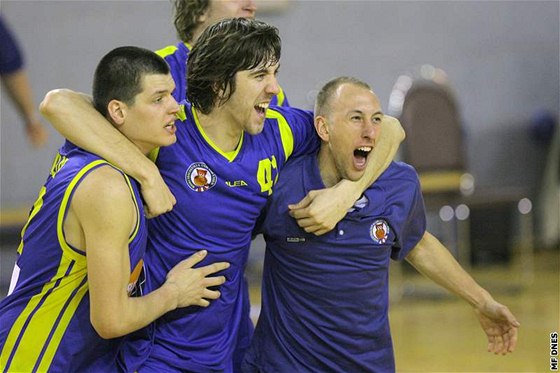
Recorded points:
(45, 320)
(219, 198)
(176, 57)
(325, 298)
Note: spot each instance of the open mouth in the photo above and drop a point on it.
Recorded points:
(360, 156)
(170, 127)
(261, 108)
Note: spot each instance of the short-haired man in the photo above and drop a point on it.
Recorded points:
(325, 299)
(82, 249)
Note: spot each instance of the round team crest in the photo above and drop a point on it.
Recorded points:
(379, 231)
(199, 177)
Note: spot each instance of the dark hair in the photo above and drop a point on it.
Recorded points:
(119, 74)
(186, 17)
(223, 49)
(324, 96)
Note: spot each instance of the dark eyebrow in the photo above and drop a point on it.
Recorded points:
(159, 92)
(263, 69)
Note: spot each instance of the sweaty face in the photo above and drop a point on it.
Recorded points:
(222, 9)
(246, 108)
(150, 120)
(353, 124)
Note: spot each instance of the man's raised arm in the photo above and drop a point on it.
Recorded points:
(72, 114)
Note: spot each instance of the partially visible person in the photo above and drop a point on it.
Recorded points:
(325, 298)
(191, 17)
(75, 287)
(15, 80)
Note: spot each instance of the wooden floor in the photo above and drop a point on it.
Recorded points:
(436, 332)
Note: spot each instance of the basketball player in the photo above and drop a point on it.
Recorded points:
(81, 252)
(325, 298)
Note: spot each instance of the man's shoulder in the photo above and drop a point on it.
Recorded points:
(397, 176)
(399, 170)
(105, 188)
(173, 50)
(288, 113)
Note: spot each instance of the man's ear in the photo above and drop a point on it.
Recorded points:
(322, 128)
(117, 112)
(203, 17)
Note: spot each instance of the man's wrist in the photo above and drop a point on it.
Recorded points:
(146, 172)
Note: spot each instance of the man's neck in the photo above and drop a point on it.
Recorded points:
(220, 131)
(327, 168)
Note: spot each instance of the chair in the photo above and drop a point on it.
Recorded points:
(427, 108)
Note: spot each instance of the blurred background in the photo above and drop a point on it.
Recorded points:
(479, 79)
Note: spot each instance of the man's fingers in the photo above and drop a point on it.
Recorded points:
(306, 201)
(211, 294)
(213, 268)
(195, 258)
(512, 334)
(321, 232)
(305, 222)
(214, 281)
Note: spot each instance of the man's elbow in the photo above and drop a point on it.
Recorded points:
(52, 102)
(108, 327)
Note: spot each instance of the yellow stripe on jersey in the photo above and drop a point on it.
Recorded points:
(286, 134)
(153, 154)
(30, 332)
(62, 326)
(170, 49)
(230, 156)
(166, 51)
(66, 249)
(37, 321)
(34, 210)
(137, 208)
(280, 97)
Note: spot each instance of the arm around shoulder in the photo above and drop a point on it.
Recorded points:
(72, 114)
(321, 210)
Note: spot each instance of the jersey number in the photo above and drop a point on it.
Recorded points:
(264, 174)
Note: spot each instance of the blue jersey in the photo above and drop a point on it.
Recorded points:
(11, 58)
(219, 198)
(325, 298)
(45, 319)
(176, 57)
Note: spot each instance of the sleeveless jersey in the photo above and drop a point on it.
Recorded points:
(176, 57)
(45, 319)
(325, 298)
(219, 198)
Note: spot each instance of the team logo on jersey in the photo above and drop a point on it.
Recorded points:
(379, 231)
(200, 177)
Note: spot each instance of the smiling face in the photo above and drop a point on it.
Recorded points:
(246, 108)
(348, 127)
(149, 121)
